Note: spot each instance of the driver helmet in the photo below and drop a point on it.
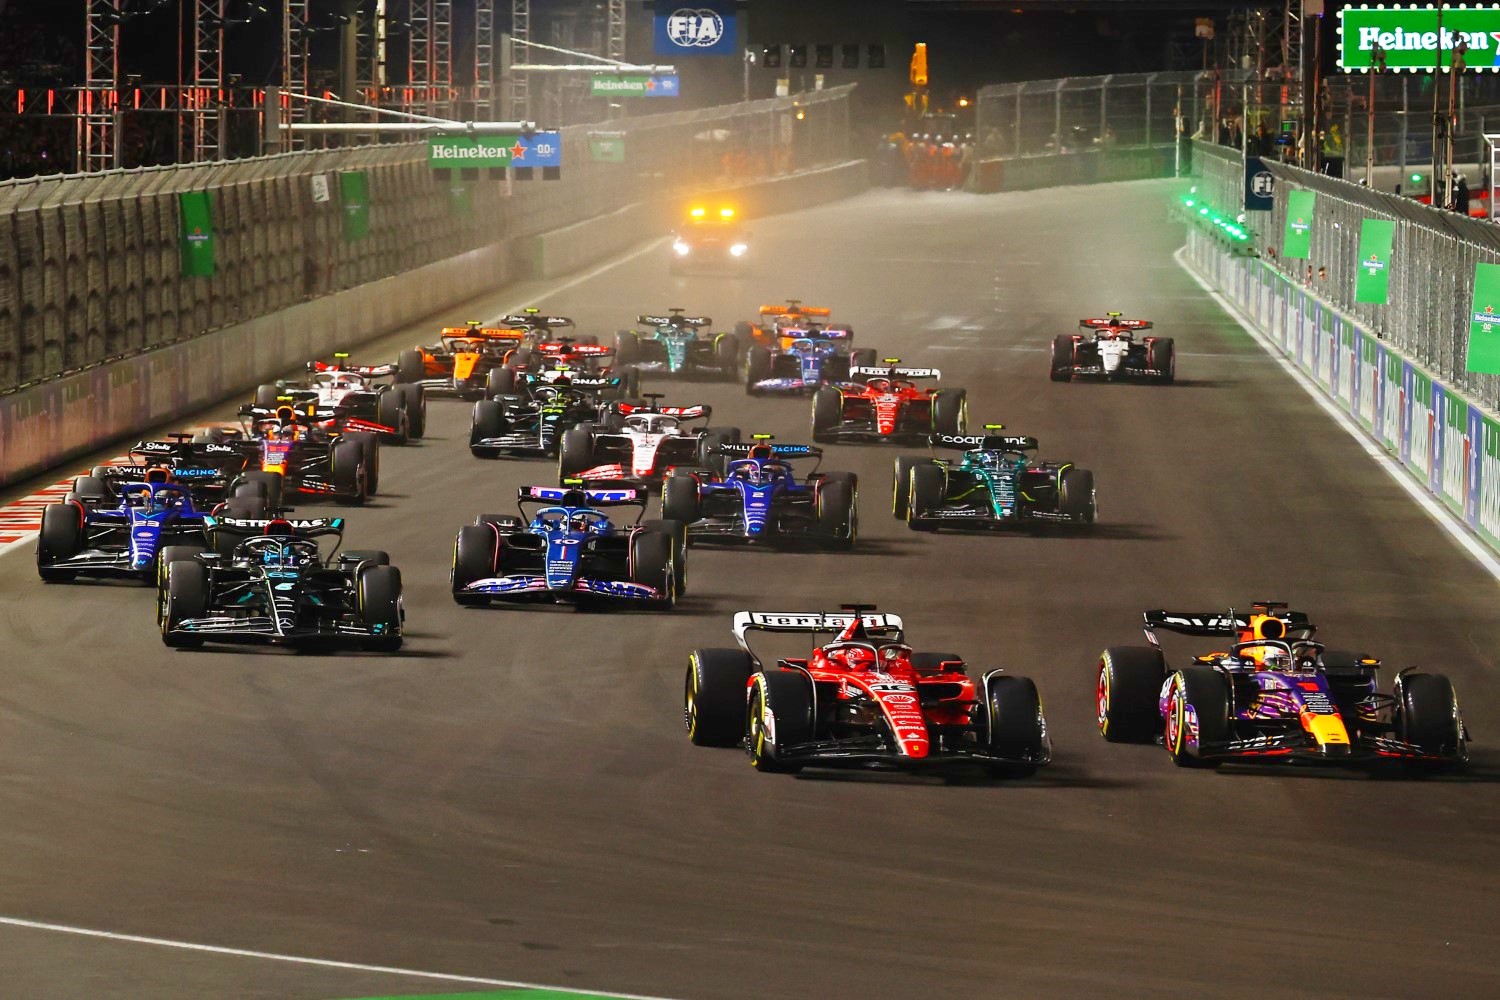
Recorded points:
(1275, 658)
(852, 658)
(764, 452)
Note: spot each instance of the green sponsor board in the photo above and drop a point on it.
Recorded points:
(1414, 40)
(460, 198)
(1489, 482)
(478, 152)
(197, 233)
(607, 148)
(354, 198)
(1484, 321)
(619, 86)
(1372, 282)
(1297, 242)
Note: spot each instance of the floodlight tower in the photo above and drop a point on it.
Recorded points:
(101, 85)
(294, 60)
(520, 83)
(484, 60)
(208, 77)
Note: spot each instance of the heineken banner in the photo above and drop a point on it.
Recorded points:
(1375, 236)
(196, 211)
(1484, 321)
(1297, 242)
(607, 147)
(540, 149)
(354, 197)
(1413, 41)
(633, 85)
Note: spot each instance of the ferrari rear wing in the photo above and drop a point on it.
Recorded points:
(618, 497)
(811, 622)
(1222, 623)
(983, 442)
(897, 372)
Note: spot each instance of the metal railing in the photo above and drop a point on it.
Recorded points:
(1431, 269)
(90, 268)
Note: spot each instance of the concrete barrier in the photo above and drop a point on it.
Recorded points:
(45, 425)
(1089, 166)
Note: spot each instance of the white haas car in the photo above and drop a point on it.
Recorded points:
(1107, 349)
(642, 443)
(356, 396)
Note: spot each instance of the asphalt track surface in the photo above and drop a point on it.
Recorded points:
(513, 797)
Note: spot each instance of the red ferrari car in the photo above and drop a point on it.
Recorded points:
(885, 404)
(864, 700)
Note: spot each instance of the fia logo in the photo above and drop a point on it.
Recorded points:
(694, 28)
(1263, 184)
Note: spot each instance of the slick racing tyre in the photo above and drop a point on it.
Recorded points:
(863, 357)
(410, 367)
(744, 331)
(901, 483)
(347, 472)
(1203, 692)
(370, 445)
(827, 414)
(678, 530)
(474, 554)
(167, 556)
(651, 564)
(1017, 727)
(1161, 355)
(779, 717)
(184, 596)
(500, 382)
(1427, 714)
(414, 398)
(488, 422)
(576, 452)
(379, 601)
(1075, 495)
(627, 348)
(929, 486)
(950, 411)
(708, 446)
(713, 698)
(1062, 358)
(390, 411)
(61, 538)
(838, 516)
(267, 397)
(86, 488)
(679, 499)
(1129, 684)
(727, 355)
(757, 369)
(265, 485)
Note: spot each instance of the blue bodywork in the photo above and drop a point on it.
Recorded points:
(123, 540)
(758, 498)
(809, 359)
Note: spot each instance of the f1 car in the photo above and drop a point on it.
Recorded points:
(865, 699)
(765, 330)
(1274, 695)
(804, 358)
(650, 442)
(677, 346)
(90, 535)
(563, 361)
(1106, 348)
(996, 483)
(292, 450)
(275, 586)
(460, 362)
(532, 424)
(884, 404)
(354, 396)
(570, 551)
(758, 498)
(202, 462)
(709, 241)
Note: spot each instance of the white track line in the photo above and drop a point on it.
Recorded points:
(1437, 511)
(300, 960)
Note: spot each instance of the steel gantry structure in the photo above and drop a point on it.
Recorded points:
(101, 86)
(208, 78)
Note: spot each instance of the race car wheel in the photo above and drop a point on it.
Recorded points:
(933, 662)
(680, 499)
(184, 596)
(518, 359)
(1016, 726)
(901, 483)
(779, 716)
(708, 446)
(266, 485)
(863, 357)
(500, 382)
(414, 397)
(248, 508)
(678, 530)
(410, 367)
(950, 411)
(713, 698)
(727, 354)
(1427, 714)
(837, 514)
(1129, 684)
(1062, 358)
(651, 564)
(169, 554)
(268, 396)
(370, 443)
(375, 557)
(100, 471)
(1201, 692)
(630, 384)
(757, 369)
(745, 331)
(576, 453)
(475, 552)
(489, 422)
(89, 488)
(390, 412)
(627, 348)
(347, 472)
(827, 414)
(1075, 495)
(1161, 355)
(379, 602)
(61, 537)
(929, 487)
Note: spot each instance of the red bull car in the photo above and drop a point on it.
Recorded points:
(863, 700)
(1107, 349)
(885, 404)
(1275, 695)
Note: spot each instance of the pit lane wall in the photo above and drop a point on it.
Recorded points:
(1449, 443)
(1088, 166)
(46, 424)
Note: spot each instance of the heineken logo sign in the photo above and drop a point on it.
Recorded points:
(1417, 39)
